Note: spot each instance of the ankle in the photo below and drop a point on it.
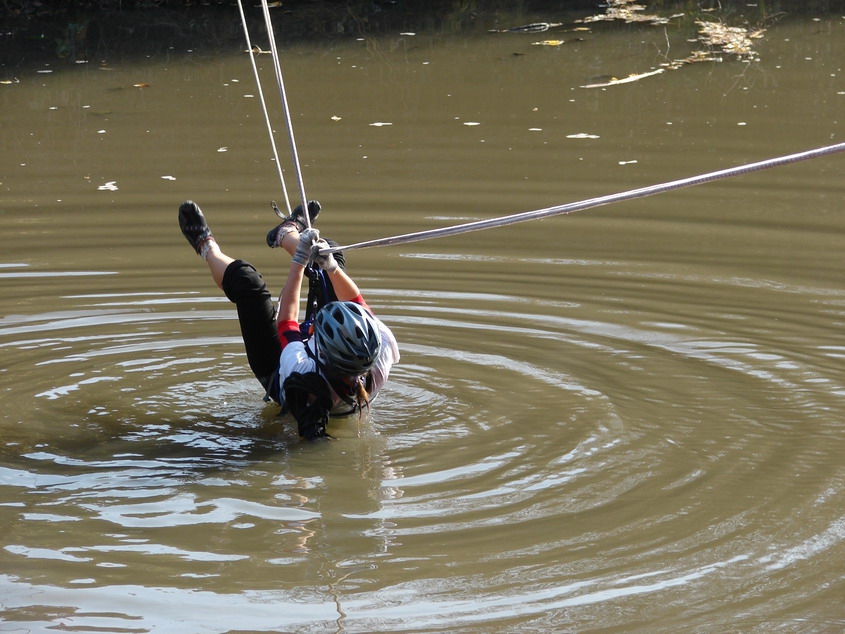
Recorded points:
(207, 247)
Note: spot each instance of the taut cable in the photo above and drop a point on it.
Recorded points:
(590, 203)
(264, 106)
(283, 95)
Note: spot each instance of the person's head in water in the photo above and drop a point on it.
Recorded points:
(348, 344)
(347, 337)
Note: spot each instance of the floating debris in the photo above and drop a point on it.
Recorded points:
(718, 39)
(379, 124)
(731, 40)
(549, 43)
(536, 27)
(583, 135)
(627, 11)
(692, 58)
(721, 40)
(626, 80)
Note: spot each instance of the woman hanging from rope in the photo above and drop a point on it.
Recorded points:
(334, 363)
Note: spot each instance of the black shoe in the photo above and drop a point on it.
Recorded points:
(296, 220)
(193, 225)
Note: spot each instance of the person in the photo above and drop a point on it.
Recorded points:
(335, 362)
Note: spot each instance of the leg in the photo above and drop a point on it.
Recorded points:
(244, 286)
(196, 231)
(286, 234)
(217, 262)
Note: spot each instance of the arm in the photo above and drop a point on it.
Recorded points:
(344, 286)
(289, 297)
(300, 249)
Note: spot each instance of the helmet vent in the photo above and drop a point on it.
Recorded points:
(348, 335)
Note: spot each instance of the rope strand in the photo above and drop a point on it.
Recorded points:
(589, 203)
(283, 96)
(264, 107)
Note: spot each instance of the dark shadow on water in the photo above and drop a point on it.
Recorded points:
(62, 33)
(200, 446)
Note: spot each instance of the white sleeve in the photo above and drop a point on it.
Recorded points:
(294, 358)
(387, 357)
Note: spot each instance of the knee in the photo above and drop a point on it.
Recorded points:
(242, 281)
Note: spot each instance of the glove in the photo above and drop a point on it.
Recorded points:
(303, 250)
(325, 262)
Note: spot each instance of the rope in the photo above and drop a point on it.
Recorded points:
(264, 106)
(590, 203)
(283, 95)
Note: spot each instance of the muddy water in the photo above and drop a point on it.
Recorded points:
(627, 419)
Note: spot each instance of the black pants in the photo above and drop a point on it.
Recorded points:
(245, 287)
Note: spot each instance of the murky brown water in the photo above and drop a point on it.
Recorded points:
(625, 420)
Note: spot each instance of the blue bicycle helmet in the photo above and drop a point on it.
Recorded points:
(349, 337)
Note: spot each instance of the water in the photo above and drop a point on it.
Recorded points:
(624, 420)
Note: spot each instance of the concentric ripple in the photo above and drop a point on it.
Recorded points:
(536, 464)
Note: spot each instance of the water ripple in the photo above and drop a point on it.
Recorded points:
(535, 462)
